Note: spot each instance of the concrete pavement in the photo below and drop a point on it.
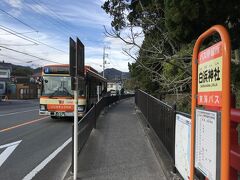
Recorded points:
(119, 148)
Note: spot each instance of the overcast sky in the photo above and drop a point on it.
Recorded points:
(45, 27)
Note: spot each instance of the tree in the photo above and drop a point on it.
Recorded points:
(170, 29)
(187, 19)
(157, 50)
(21, 71)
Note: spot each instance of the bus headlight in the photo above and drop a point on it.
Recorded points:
(43, 107)
(81, 108)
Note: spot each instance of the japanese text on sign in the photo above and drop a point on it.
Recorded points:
(182, 145)
(206, 143)
(210, 75)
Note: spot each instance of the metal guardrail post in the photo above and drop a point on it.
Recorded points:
(95, 116)
(174, 107)
(147, 107)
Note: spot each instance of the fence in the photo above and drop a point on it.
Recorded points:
(161, 117)
(88, 122)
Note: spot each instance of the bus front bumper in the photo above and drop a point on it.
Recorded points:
(60, 114)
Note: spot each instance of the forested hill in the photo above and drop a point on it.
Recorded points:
(113, 74)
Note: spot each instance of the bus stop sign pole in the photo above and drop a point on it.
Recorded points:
(74, 87)
(225, 98)
(75, 133)
(76, 67)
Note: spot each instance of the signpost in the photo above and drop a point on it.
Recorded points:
(76, 67)
(98, 92)
(80, 58)
(182, 145)
(210, 76)
(211, 91)
(206, 143)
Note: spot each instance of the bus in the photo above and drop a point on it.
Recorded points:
(56, 98)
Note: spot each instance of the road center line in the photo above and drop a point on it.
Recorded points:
(8, 114)
(33, 173)
(23, 124)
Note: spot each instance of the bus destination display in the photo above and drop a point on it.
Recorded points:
(56, 70)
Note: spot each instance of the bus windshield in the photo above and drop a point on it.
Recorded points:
(57, 86)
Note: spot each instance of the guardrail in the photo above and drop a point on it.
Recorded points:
(161, 117)
(88, 122)
(234, 139)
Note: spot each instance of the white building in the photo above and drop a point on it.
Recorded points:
(114, 87)
(5, 72)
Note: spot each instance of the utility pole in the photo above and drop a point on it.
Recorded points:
(104, 56)
(104, 60)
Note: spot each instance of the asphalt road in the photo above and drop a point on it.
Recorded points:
(33, 138)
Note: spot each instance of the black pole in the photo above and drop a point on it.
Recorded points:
(174, 107)
(72, 149)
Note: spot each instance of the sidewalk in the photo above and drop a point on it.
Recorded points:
(119, 148)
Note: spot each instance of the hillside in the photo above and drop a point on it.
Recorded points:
(113, 74)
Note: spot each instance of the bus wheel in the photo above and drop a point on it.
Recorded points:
(53, 117)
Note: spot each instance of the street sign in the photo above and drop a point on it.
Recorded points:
(210, 76)
(206, 142)
(76, 63)
(72, 57)
(182, 145)
(80, 58)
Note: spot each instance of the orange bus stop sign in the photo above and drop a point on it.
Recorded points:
(211, 87)
(210, 76)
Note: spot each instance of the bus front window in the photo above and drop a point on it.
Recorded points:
(60, 86)
(57, 86)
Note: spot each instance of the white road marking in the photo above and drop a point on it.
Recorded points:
(8, 114)
(33, 173)
(8, 151)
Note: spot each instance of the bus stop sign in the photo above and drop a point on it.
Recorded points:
(76, 61)
(72, 57)
(210, 76)
(76, 58)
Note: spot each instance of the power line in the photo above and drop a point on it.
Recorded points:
(27, 54)
(28, 32)
(15, 34)
(20, 60)
(57, 16)
(18, 44)
(29, 27)
(53, 18)
(28, 38)
(19, 20)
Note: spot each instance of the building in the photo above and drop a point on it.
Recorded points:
(114, 88)
(5, 72)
